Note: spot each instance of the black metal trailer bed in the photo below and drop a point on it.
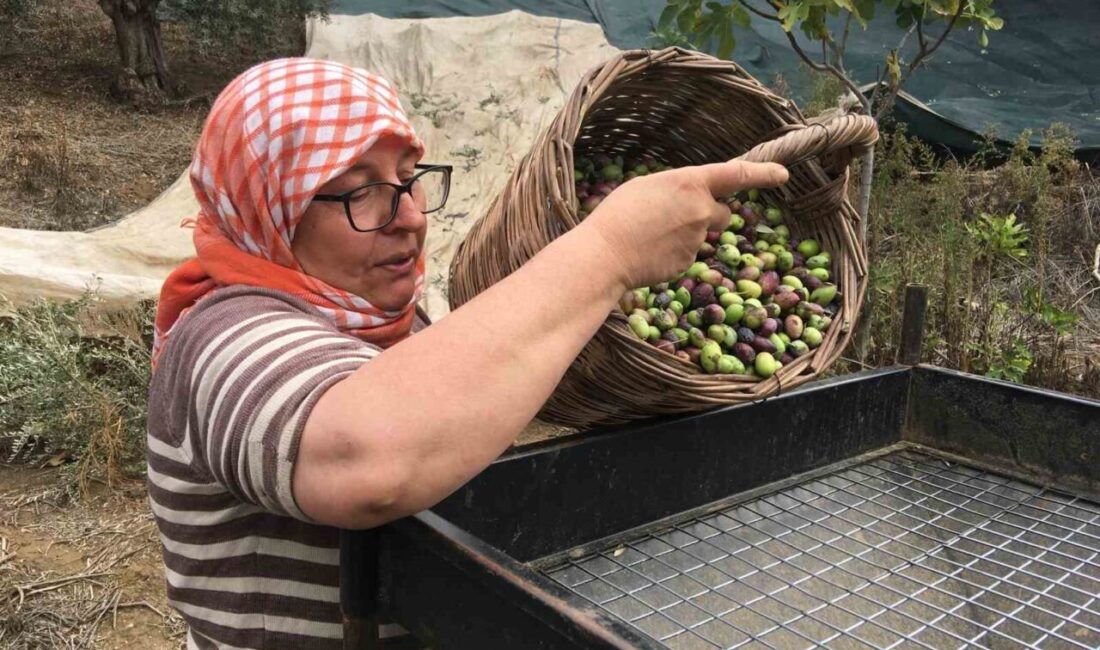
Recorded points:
(909, 507)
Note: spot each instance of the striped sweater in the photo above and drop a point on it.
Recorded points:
(227, 405)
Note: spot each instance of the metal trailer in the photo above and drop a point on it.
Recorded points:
(907, 507)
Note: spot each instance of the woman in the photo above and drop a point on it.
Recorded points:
(289, 397)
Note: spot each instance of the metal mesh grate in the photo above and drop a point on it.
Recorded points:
(904, 551)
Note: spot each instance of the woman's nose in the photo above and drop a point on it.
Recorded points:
(409, 216)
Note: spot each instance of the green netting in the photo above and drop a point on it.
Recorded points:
(1043, 67)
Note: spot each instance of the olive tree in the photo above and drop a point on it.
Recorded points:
(143, 67)
(824, 26)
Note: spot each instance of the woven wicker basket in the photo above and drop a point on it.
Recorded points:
(684, 108)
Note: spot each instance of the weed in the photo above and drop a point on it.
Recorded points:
(73, 379)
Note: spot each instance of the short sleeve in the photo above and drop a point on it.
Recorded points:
(242, 374)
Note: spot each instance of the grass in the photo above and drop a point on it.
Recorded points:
(73, 381)
(1006, 250)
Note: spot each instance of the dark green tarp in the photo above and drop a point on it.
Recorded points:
(1042, 68)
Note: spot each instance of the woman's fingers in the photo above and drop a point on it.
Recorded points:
(723, 179)
(719, 216)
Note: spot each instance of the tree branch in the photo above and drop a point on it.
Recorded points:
(843, 42)
(926, 52)
(920, 30)
(756, 11)
(922, 55)
(825, 67)
(876, 92)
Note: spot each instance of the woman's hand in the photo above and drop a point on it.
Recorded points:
(653, 225)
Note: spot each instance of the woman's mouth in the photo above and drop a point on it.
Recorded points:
(399, 265)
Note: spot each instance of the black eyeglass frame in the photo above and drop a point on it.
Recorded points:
(399, 189)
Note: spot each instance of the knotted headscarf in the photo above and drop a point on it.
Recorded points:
(274, 136)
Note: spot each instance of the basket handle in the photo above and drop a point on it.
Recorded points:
(839, 139)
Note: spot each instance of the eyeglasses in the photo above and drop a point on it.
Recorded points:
(374, 206)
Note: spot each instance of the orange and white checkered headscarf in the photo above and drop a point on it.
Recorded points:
(274, 136)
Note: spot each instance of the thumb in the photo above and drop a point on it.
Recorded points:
(719, 217)
(723, 179)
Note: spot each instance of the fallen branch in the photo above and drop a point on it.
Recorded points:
(1096, 263)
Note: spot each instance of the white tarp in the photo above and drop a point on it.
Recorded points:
(478, 90)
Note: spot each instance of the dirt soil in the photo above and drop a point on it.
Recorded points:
(86, 572)
(83, 573)
(72, 157)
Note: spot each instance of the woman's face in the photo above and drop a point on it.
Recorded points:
(379, 266)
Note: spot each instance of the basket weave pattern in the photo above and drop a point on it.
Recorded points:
(683, 108)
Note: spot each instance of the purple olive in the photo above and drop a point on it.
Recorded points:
(713, 236)
(705, 250)
(786, 300)
(749, 273)
(744, 352)
(713, 314)
(769, 282)
(745, 335)
(786, 358)
(702, 295)
(745, 246)
(683, 323)
(770, 326)
(805, 309)
(749, 215)
(665, 346)
(721, 267)
(762, 344)
(729, 284)
(686, 283)
(812, 282)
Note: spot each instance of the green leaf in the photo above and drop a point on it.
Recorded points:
(686, 21)
(905, 19)
(893, 65)
(983, 39)
(741, 16)
(865, 11)
(726, 44)
(787, 17)
(995, 23)
(668, 14)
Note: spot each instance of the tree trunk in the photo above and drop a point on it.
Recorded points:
(866, 176)
(142, 71)
(862, 338)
